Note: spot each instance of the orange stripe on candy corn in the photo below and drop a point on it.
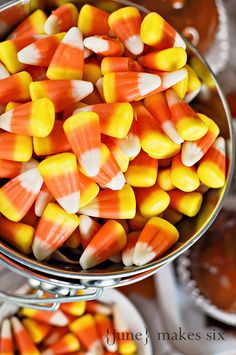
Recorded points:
(93, 21)
(6, 340)
(23, 339)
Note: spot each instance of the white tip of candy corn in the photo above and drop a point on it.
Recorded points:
(169, 128)
(6, 329)
(87, 53)
(81, 89)
(127, 257)
(96, 44)
(87, 259)
(172, 78)
(3, 72)
(59, 319)
(117, 182)
(41, 249)
(191, 153)
(5, 121)
(51, 25)
(148, 83)
(190, 96)
(130, 145)
(90, 161)
(31, 180)
(29, 55)
(142, 254)
(73, 38)
(71, 202)
(134, 44)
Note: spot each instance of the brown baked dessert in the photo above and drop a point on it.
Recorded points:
(213, 263)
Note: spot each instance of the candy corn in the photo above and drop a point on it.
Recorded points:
(119, 64)
(98, 307)
(188, 124)
(88, 227)
(105, 330)
(70, 47)
(63, 93)
(54, 227)
(49, 145)
(74, 308)
(85, 329)
(17, 234)
(60, 174)
(109, 175)
(36, 329)
(134, 175)
(128, 86)
(104, 45)
(164, 179)
(156, 237)
(42, 200)
(109, 240)
(6, 341)
(10, 168)
(11, 105)
(32, 25)
(15, 88)
(83, 133)
(181, 87)
(23, 339)
(157, 106)
(93, 21)
(18, 195)
(30, 119)
(151, 201)
(112, 204)
(56, 334)
(62, 19)
(92, 70)
(188, 203)
(125, 23)
(172, 216)
(54, 318)
(128, 251)
(121, 158)
(212, 167)
(183, 177)
(37, 73)
(192, 152)
(167, 59)
(66, 345)
(88, 189)
(156, 32)
(41, 51)
(138, 222)
(3, 72)
(73, 241)
(194, 85)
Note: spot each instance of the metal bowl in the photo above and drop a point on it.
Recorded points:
(210, 101)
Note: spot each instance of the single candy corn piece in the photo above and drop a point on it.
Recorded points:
(56, 318)
(4, 73)
(23, 340)
(121, 158)
(6, 339)
(63, 93)
(105, 331)
(66, 345)
(151, 201)
(19, 194)
(167, 59)
(61, 176)
(164, 179)
(88, 189)
(130, 145)
(158, 107)
(93, 21)
(108, 241)
(127, 346)
(172, 216)
(188, 203)
(109, 175)
(74, 308)
(104, 45)
(83, 133)
(88, 227)
(212, 167)
(61, 19)
(41, 51)
(92, 70)
(11, 105)
(119, 64)
(56, 334)
(157, 236)
(184, 178)
(128, 86)
(112, 204)
(15, 88)
(192, 152)
(36, 329)
(99, 87)
(42, 200)
(18, 234)
(135, 175)
(10, 169)
(181, 87)
(15, 147)
(189, 126)
(61, 67)
(55, 226)
(128, 251)
(125, 23)
(194, 85)
(49, 145)
(85, 329)
(31, 119)
(32, 25)
(138, 222)
(153, 140)
(156, 32)
(94, 307)
(115, 119)
(37, 73)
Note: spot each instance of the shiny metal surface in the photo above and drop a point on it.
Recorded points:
(211, 101)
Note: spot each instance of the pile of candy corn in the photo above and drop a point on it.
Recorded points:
(102, 151)
(80, 328)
